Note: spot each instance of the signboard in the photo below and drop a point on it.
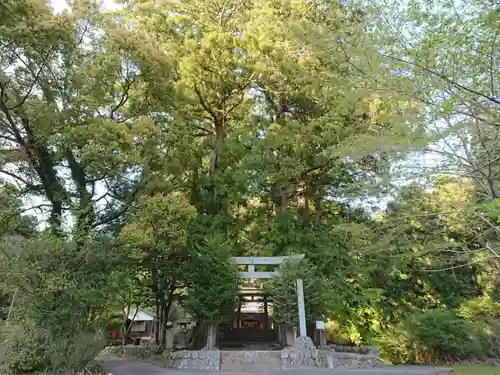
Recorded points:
(320, 325)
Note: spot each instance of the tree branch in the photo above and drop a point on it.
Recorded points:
(444, 78)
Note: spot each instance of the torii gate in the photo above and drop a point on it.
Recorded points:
(250, 273)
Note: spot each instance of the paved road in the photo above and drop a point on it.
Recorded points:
(124, 367)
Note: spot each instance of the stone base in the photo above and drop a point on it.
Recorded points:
(247, 360)
(194, 359)
(303, 343)
(255, 360)
(292, 358)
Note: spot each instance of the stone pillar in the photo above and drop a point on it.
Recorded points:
(211, 336)
(289, 336)
(302, 309)
(322, 339)
(169, 340)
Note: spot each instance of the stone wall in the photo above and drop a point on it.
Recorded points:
(292, 358)
(250, 360)
(194, 359)
(354, 349)
(132, 352)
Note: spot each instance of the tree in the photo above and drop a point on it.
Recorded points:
(428, 250)
(182, 133)
(212, 285)
(284, 292)
(62, 297)
(64, 100)
(449, 55)
(132, 295)
(157, 238)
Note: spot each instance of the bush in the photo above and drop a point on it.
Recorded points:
(443, 335)
(483, 308)
(395, 347)
(27, 349)
(434, 336)
(486, 313)
(62, 293)
(213, 282)
(24, 350)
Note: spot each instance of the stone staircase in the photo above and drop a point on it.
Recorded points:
(259, 361)
(252, 335)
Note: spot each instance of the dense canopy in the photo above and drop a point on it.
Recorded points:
(141, 147)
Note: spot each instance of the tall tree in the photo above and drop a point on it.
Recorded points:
(67, 120)
(449, 53)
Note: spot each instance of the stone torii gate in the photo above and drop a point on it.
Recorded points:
(251, 273)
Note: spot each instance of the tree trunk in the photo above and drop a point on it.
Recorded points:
(157, 322)
(124, 333)
(303, 203)
(317, 209)
(280, 201)
(85, 212)
(163, 325)
(198, 339)
(165, 306)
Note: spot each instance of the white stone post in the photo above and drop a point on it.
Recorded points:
(289, 336)
(211, 335)
(302, 310)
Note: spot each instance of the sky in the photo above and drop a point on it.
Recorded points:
(60, 5)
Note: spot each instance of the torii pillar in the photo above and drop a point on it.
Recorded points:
(302, 309)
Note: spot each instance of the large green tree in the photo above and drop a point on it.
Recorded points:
(448, 51)
(164, 129)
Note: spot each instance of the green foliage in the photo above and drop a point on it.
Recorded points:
(213, 282)
(420, 251)
(480, 308)
(177, 134)
(434, 336)
(60, 292)
(485, 312)
(29, 349)
(284, 292)
(23, 350)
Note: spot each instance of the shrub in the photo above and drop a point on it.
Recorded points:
(433, 336)
(444, 335)
(213, 283)
(483, 308)
(24, 350)
(394, 346)
(284, 292)
(486, 313)
(27, 349)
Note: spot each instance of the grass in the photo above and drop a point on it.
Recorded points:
(476, 370)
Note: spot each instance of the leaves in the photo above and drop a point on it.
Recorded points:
(213, 282)
(162, 138)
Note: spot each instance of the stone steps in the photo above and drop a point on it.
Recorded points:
(249, 335)
(250, 360)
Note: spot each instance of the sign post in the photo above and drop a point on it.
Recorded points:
(320, 327)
